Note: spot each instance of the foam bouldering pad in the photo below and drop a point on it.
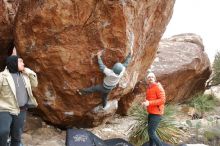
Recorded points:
(80, 137)
(117, 142)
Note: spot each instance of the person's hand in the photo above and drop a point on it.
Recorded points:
(14, 52)
(145, 104)
(27, 71)
(131, 51)
(99, 54)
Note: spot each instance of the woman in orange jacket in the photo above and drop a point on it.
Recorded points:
(154, 104)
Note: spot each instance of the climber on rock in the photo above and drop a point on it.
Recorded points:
(111, 79)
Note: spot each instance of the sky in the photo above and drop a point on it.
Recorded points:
(201, 17)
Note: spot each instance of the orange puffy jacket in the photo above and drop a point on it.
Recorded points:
(155, 94)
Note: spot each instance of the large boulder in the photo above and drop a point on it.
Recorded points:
(182, 66)
(184, 72)
(8, 9)
(59, 40)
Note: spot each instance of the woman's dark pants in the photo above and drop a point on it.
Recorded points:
(11, 126)
(153, 122)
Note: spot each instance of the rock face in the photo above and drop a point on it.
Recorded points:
(181, 66)
(8, 9)
(59, 40)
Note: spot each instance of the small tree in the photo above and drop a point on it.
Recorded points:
(215, 79)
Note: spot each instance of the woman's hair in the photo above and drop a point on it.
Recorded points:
(151, 74)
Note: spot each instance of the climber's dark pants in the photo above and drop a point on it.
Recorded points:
(98, 88)
(11, 125)
(153, 122)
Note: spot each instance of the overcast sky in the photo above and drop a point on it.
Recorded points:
(197, 16)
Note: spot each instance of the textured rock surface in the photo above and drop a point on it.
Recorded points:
(8, 9)
(181, 66)
(59, 40)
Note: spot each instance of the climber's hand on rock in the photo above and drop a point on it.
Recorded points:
(99, 54)
(131, 51)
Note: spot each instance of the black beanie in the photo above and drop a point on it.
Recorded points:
(12, 64)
